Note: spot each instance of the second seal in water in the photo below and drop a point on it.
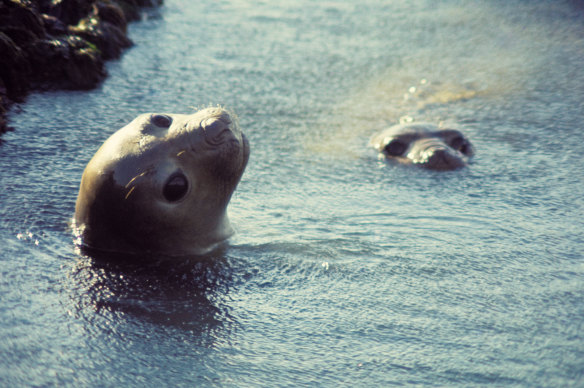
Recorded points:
(425, 145)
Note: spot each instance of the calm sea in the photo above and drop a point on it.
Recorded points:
(345, 270)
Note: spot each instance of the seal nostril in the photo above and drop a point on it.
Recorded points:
(215, 129)
(214, 125)
(443, 159)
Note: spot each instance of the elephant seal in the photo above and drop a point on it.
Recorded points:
(161, 184)
(425, 145)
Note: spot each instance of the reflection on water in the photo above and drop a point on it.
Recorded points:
(185, 293)
(345, 269)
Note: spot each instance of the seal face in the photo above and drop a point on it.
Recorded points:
(425, 145)
(162, 184)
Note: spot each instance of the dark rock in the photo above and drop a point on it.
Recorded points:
(60, 43)
(53, 26)
(71, 61)
(85, 70)
(105, 27)
(4, 104)
(149, 3)
(130, 8)
(111, 13)
(14, 69)
(21, 14)
(21, 36)
(69, 12)
(108, 38)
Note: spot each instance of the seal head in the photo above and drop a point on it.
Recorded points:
(425, 145)
(162, 184)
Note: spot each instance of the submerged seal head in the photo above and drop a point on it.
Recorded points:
(162, 184)
(424, 145)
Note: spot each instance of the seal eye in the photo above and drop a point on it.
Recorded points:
(175, 188)
(161, 121)
(396, 148)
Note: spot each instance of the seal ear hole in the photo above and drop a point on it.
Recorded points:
(396, 148)
(175, 188)
(163, 121)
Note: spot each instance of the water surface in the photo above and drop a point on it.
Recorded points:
(346, 270)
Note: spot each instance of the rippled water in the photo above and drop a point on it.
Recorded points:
(346, 270)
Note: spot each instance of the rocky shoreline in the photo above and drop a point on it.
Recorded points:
(59, 44)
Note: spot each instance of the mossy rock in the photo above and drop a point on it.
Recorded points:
(108, 38)
(69, 12)
(60, 43)
(70, 62)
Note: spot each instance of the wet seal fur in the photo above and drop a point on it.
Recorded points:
(162, 185)
(425, 145)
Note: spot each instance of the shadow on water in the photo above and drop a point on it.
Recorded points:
(117, 293)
